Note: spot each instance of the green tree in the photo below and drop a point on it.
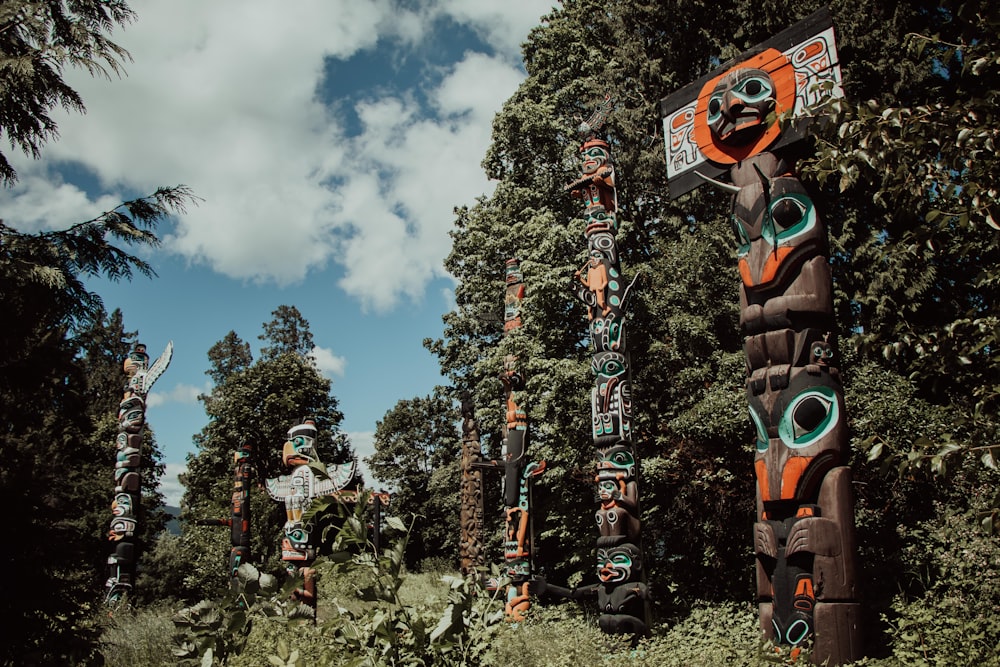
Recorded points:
(417, 450)
(38, 40)
(254, 403)
(926, 162)
(230, 355)
(288, 332)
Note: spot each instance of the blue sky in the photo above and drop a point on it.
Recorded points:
(329, 141)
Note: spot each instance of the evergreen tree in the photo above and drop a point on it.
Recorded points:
(38, 40)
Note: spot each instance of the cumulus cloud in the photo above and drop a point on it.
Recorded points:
(170, 485)
(181, 393)
(328, 363)
(222, 96)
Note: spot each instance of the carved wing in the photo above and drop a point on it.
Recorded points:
(156, 370)
(340, 476)
(279, 488)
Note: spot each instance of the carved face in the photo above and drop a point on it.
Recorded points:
(617, 564)
(594, 155)
(731, 115)
(776, 230)
(121, 527)
(600, 220)
(297, 534)
(616, 463)
(739, 106)
(121, 506)
(137, 360)
(132, 414)
(800, 435)
(299, 449)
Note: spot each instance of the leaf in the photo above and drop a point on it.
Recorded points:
(395, 523)
(875, 451)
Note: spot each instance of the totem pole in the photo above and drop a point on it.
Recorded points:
(518, 469)
(471, 513)
(239, 519)
(804, 534)
(622, 593)
(297, 491)
(128, 478)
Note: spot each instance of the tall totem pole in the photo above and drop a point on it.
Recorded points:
(297, 491)
(804, 534)
(622, 592)
(128, 474)
(239, 519)
(518, 468)
(471, 493)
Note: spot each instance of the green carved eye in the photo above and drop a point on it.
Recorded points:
(762, 439)
(753, 90)
(714, 108)
(622, 560)
(793, 215)
(810, 416)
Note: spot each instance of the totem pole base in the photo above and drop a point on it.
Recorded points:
(837, 636)
(838, 633)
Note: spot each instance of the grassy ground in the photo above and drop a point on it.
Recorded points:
(556, 635)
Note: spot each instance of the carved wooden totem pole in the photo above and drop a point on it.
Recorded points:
(622, 593)
(471, 511)
(804, 534)
(518, 468)
(239, 519)
(297, 491)
(128, 475)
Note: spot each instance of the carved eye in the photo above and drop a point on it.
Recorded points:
(714, 108)
(621, 560)
(742, 238)
(762, 440)
(754, 90)
(793, 215)
(811, 415)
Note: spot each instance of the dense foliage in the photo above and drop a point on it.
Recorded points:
(906, 182)
(416, 455)
(254, 403)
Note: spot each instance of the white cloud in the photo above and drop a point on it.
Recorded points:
(327, 362)
(503, 25)
(170, 486)
(221, 96)
(364, 446)
(181, 393)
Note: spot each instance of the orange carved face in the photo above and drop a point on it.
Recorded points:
(732, 114)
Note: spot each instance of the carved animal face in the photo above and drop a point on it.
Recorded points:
(800, 435)
(739, 106)
(777, 229)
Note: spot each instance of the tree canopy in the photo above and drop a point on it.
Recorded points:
(38, 41)
(253, 403)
